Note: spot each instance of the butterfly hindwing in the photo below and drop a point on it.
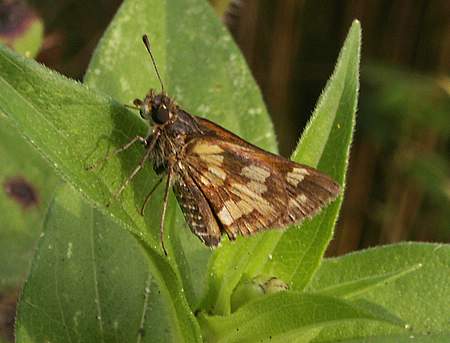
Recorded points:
(196, 210)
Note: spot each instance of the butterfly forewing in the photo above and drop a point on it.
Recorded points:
(308, 191)
(250, 190)
(235, 186)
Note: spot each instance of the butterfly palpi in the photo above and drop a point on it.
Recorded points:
(223, 184)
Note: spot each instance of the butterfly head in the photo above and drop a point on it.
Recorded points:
(157, 108)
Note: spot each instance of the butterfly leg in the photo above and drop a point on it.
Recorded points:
(147, 198)
(103, 160)
(136, 170)
(163, 214)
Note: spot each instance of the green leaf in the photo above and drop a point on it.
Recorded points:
(294, 255)
(52, 113)
(359, 286)
(25, 174)
(405, 338)
(283, 317)
(421, 297)
(91, 281)
(325, 144)
(201, 67)
(216, 85)
(59, 116)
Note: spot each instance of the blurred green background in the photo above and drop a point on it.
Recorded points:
(399, 185)
(399, 177)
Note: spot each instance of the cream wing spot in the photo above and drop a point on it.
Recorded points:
(233, 209)
(258, 202)
(212, 159)
(296, 176)
(204, 148)
(257, 187)
(302, 199)
(219, 172)
(255, 173)
(245, 207)
(225, 216)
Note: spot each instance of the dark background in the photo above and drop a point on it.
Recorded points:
(398, 184)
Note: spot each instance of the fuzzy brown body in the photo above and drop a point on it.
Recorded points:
(171, 140)
(223, 183)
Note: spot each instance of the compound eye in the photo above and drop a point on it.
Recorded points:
(161, 115)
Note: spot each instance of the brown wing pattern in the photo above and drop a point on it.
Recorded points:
(326, 187)
(308, 190)
(238, 201)
(222, 134)
(251, 190)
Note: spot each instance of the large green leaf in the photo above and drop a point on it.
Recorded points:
(284, 317)
(294, 255)
(27, 183)
(201, 67)
(421, 297)
(91, 282)
(58, 116)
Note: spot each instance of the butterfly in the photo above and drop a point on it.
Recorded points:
(222, 183)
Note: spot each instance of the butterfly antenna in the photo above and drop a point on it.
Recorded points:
(147, 46)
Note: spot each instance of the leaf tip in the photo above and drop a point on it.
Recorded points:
(355, 28)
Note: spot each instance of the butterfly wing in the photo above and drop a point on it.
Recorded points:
(196, 209)
(214, 130)
(249, 189)
(319, 188)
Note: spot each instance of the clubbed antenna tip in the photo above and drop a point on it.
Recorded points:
(147, 46)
